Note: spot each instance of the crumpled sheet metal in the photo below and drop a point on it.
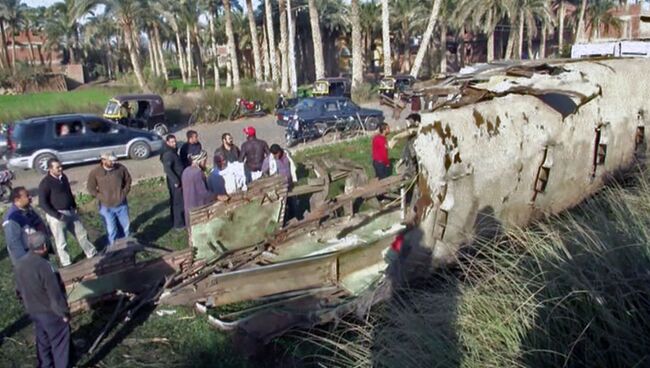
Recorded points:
(506, 160)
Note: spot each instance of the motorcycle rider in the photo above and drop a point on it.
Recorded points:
(253, 152)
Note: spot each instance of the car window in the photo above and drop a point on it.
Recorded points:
(305, 105)
(331, 106)
(68, 128)
(22, 131)
(98, 126)
(348, 105)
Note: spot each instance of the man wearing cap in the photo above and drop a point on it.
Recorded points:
(110, 183)
(253, 153)
(190, 148)
(18, 221)
(173, 167)
(44, 299)
(195, 188)
(56, 199)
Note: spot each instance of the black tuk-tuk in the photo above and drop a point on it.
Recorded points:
(138, 111)
(334, 87)
(394, 87)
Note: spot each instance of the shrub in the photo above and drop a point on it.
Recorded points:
(364, 93)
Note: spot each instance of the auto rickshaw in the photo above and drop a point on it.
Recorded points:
(334, 87)
(394, 87)
(138, 111)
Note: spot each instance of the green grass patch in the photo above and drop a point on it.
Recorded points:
(88, 100)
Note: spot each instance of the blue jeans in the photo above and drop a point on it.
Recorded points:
(113, 215)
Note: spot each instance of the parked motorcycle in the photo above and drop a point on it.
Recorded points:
(298, 131)
(6, 176)
(246, 108)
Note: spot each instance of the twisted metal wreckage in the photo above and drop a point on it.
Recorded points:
(507, 142)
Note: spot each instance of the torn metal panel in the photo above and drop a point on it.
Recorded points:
(538, 144)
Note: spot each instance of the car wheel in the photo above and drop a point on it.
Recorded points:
(40, 162)
(160, 129)
(372, 123)
(139, 150)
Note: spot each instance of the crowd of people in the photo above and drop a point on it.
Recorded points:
(190, 185)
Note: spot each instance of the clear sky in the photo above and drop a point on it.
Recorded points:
(39, 2)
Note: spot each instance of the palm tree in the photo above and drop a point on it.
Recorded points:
(67, 14)
(126, 12)
(357, 48)
(599, 14)
(385, 39)
(407, 17)
(483, 15)
(232, 51)
(14, 12)
(426, 38)
(319, 60)
(370, 16)
(254, 40)
(99, 31)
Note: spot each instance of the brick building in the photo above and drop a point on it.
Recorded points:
(24, 51)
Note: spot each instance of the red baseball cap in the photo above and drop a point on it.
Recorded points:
(249, 131)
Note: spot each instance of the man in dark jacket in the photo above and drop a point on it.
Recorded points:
(110, 183)
(190, 148)
(253, 152)
(19, 220)
(173, 170)
(228, 149)
(44, 299)
(195, 186)
(56, 199)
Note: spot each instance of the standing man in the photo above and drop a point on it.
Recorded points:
(190, 148)
(226, 177)
(280, 163)
(45, 301)
(195, 188)
(110, 183)
(253, 153)
(380, 161)
(56, 199)
(173, 167)
(20, 220)
(228, 149)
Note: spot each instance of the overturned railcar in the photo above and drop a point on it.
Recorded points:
(515, 142)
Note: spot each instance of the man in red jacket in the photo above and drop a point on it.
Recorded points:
(380, 160)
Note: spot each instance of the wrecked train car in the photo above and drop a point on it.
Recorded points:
(519, 141)
(508, 143)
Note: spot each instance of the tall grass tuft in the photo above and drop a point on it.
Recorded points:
(570, 291)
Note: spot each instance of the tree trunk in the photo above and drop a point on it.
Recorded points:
(443, 47)
(234, 65)
(293, 79)
(188, 54)
(270, 33)
(426, 39)
(357, 47)
(200, 68)
(581, 23)
(561, 22)
(135, 63)
(3, 39)
(490, 36)
(265, 52)
(179, 50)
(153, 58)
(32, 54)
(161, 55)
(520, 43)
(511, 43)
(319, 60)
(284, 47)
(405, 65)
(385, 32)
(257, 62)
(40, 54)
(13, 49)
(542, 42)
(215, 61)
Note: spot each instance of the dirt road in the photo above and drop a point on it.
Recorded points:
(209, 136)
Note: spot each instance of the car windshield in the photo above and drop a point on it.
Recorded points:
(112, 108)
(304, 105)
